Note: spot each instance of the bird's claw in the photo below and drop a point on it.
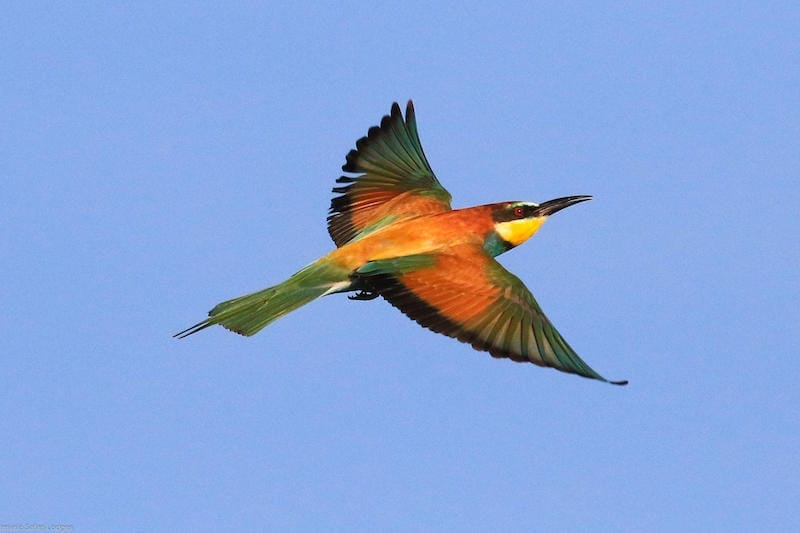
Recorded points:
(363, 295)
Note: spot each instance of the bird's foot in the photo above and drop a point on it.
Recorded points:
(363, 295)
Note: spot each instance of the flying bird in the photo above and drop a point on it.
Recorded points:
(398, 237)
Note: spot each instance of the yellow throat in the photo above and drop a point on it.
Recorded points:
(518, 231)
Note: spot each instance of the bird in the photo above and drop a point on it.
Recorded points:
(398, 237)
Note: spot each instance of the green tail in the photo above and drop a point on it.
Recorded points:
(249, 314)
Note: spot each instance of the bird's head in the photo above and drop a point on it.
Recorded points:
(516, 222)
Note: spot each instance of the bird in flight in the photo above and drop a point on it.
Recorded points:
(398, 237)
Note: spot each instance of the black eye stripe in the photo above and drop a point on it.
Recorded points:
(507, 213)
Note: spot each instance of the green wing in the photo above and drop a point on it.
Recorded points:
(468, 295)
(396, 181)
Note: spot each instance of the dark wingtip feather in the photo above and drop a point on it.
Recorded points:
(351, 160)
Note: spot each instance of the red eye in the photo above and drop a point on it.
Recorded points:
(519, 212)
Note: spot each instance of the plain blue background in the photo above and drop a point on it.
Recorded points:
(157, 159)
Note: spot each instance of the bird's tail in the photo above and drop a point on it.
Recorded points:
(249, 314)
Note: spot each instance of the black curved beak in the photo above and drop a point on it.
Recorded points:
(549, 207)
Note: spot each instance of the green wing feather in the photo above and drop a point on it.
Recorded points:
(471, 297)
(396, 180)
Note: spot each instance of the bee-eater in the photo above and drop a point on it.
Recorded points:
(398, 237)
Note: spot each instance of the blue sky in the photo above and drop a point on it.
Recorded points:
(157, 159)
